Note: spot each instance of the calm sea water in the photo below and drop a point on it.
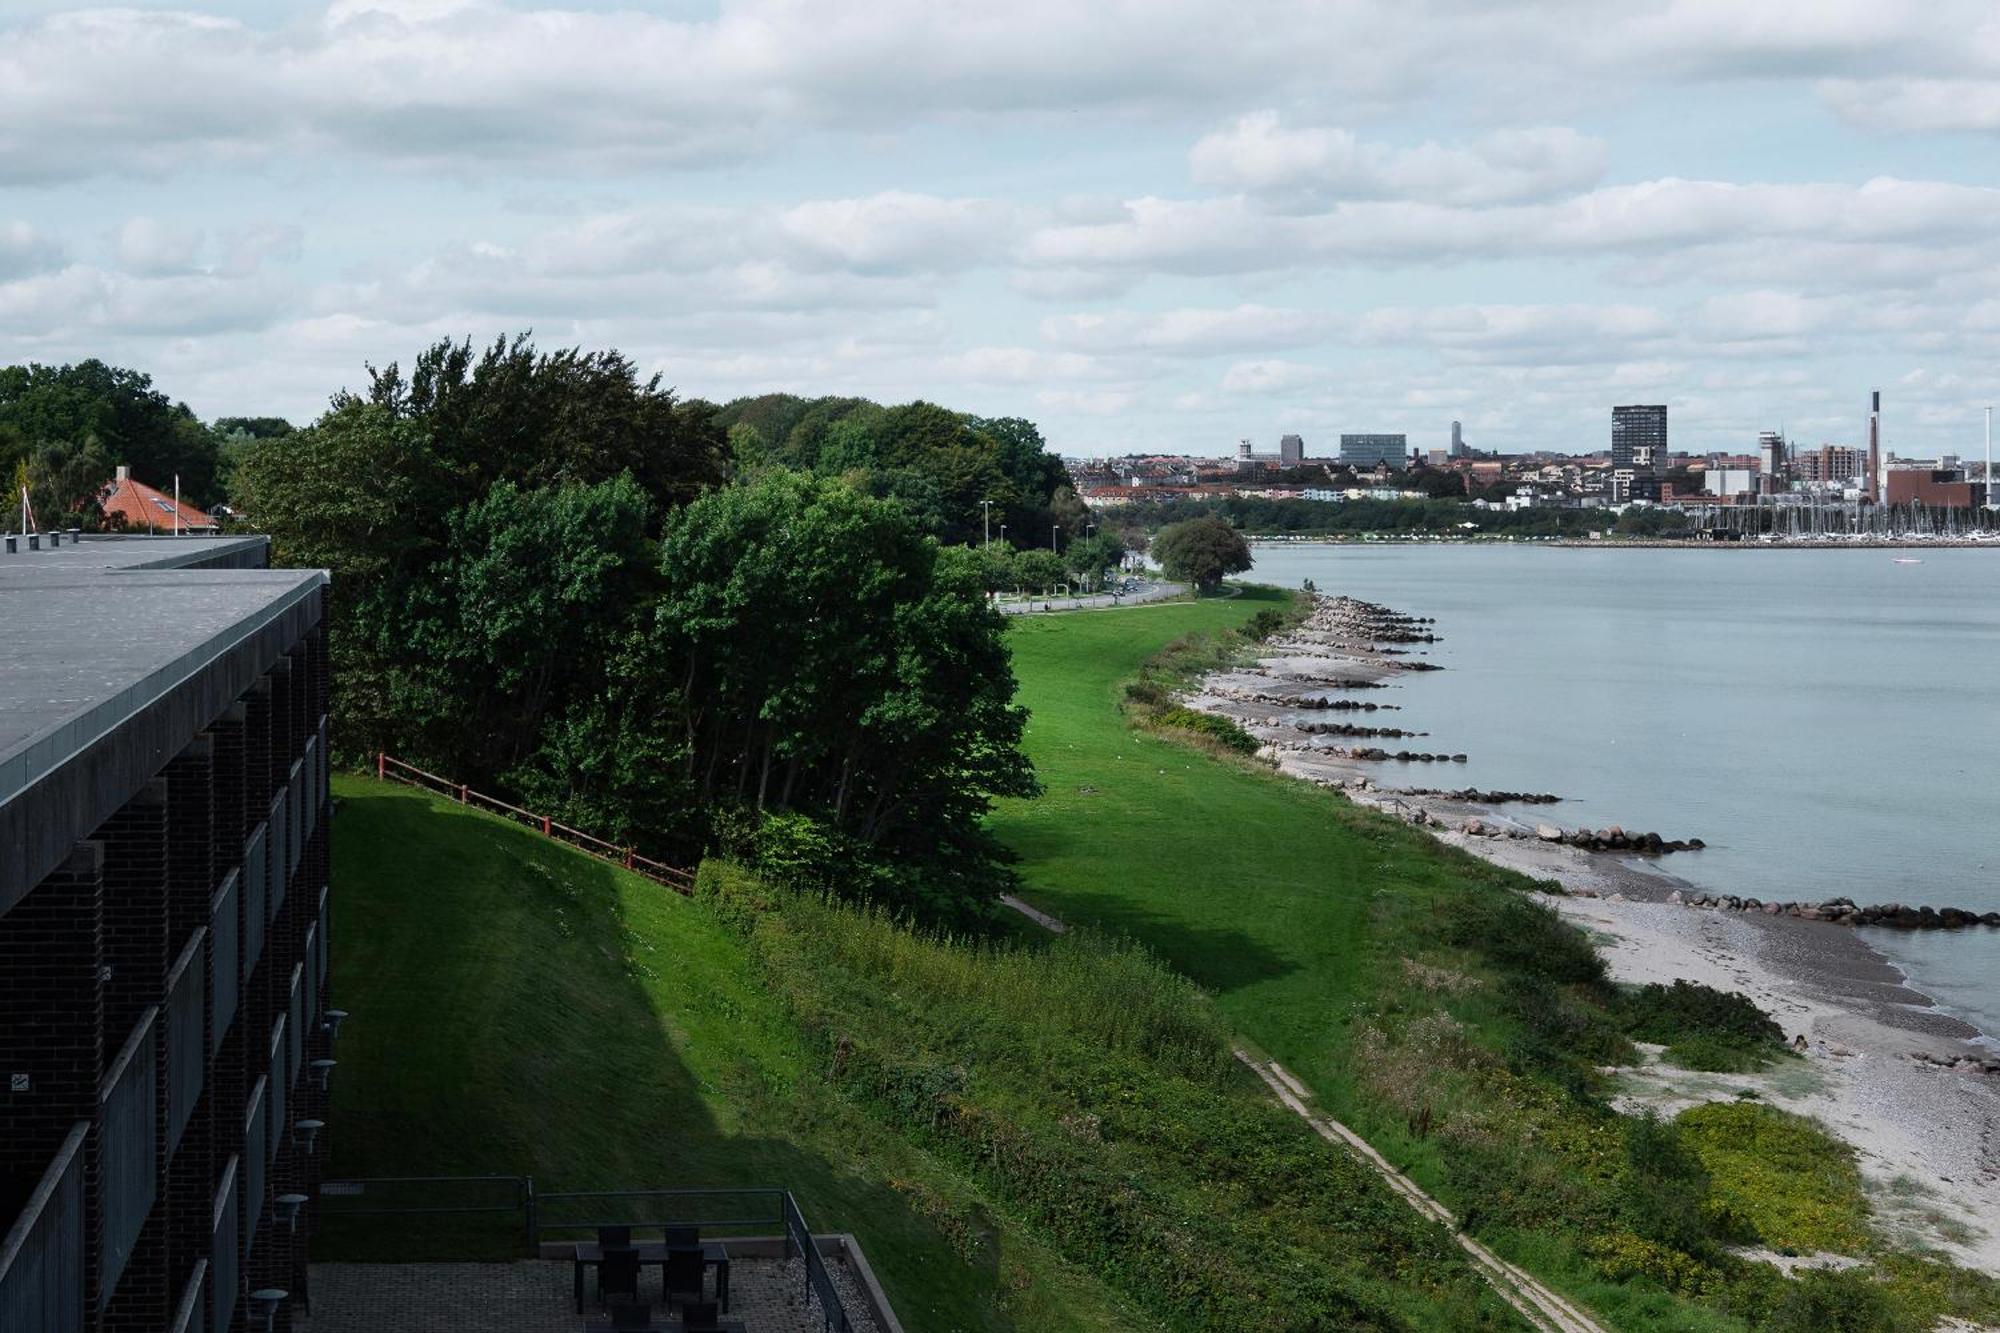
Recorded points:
(1825, 720)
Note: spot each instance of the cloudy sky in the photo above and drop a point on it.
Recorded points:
(1149, 226)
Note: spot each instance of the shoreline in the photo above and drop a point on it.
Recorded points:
(1887, 1069)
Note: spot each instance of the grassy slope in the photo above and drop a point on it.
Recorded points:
(1256, 886)
(1293, 907)
(519, 1008)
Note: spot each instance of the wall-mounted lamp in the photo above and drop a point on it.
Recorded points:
(266, 1303)
(331, 1023)
(289, 1207)
(306, 1133)
(322, 1073)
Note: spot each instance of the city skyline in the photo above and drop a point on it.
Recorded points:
(1228, 221)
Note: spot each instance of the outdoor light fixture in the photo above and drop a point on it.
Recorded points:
(322, 1072)
(330, 1025)
(306, 1132)
(266, 1303)
(289, 1207)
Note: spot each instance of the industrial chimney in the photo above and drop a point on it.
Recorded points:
(1873, 489)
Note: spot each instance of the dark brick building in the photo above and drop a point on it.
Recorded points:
(163, 931)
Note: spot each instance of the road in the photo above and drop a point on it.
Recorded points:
(1147, 592)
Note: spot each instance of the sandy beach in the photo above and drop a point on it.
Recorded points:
(1914, 1090)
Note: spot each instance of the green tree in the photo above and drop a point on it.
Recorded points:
(1036, 570)
(1088, 557)
(1201, 551)
(91, 411)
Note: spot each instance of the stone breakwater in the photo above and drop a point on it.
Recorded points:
(1845, 912)
(1474, 796)
(1613, 839)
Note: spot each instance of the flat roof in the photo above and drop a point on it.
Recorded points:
(94, 631)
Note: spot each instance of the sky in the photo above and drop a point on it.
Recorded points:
(1149, 227)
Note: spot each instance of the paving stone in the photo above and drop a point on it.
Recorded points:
(768, 1295)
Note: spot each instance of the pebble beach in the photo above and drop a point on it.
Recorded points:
(1916, 1091)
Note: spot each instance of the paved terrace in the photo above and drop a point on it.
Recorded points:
(534, 1296)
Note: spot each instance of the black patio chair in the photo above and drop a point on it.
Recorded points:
(631, 1314)
(614, 1238)
(700, 1317)
(683, 1237)
(683, 1274)
(618, 1274)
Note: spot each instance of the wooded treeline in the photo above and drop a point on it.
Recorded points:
(555, 578)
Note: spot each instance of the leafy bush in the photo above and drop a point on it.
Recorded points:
(1787, 1180)
(1223, 731)
(1664, 1191)
(1821, 1301)
(1147, 694)
(1526, 940)
(1701, 1027)
(1623, 1255)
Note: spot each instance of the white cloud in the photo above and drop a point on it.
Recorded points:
(24, 250)
(1313, 166)
(1271, 376)
(1193, 332)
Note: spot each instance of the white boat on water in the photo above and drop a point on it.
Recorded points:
(1906, 560)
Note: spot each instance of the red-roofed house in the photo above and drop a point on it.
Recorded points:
(144, 509)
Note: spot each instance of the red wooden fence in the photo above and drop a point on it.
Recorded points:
(390, 769)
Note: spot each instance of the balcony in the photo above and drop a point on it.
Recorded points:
(41, 1258)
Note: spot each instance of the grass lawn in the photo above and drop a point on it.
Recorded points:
(1256, 886)
(521, 1009)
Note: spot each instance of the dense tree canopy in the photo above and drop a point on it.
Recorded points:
(1201, 551)
(544, 583)
(65, 429)
(939, 464)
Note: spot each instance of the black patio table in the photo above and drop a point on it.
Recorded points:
(589, 1254)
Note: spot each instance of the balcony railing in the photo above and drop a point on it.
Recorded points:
(191, 1315)
(256, 1123)
(187, 1047)
(254, 907)
(279, 823)
(225, 978)
(225, 1251)
(127, 1157)
(41, 1258)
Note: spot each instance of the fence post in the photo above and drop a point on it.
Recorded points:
(462, 789)
(629, 852)
(547, 831)
(534, 1227)
(381, 765)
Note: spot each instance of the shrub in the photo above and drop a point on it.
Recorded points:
(1701, 1027)
(1785, 1178)
(1526, 939)
(1664, 1191)
(1147, 694)
(1834, 1302)
(1622, 1256)
(1223, 731)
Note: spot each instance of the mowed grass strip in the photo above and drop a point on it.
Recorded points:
(1257, 886)
(519, 1008)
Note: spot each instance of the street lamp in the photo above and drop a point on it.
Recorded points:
(1052, 537)
(986, 510)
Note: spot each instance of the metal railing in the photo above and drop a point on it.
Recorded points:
(390, 769)
(126, 1179)
(41, 1257)
(577, 1214)
(819, 1282)
(739, 1212)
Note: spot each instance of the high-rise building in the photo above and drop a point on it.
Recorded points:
(1365, 452)
(1291, 451)
(1458, 449)
(1828, 463)
(1773, 456)
(1638, 451)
